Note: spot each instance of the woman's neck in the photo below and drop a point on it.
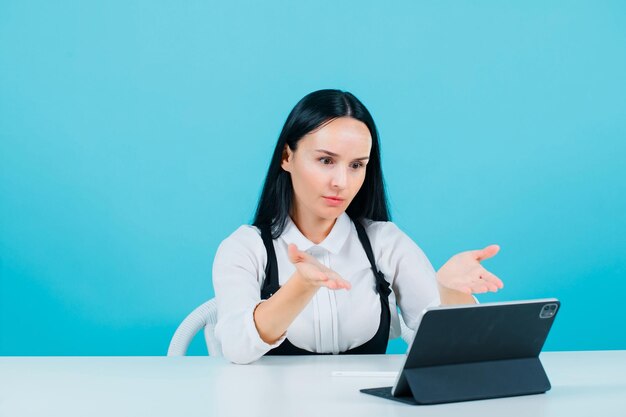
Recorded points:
(314, 229)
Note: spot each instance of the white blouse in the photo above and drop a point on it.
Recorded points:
(334, 320)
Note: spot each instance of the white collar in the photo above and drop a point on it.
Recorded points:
(332, 243)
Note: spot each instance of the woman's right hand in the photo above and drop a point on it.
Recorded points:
(315, 273)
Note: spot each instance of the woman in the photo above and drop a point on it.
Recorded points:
(322, 269)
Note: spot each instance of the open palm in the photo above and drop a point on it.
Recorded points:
(314, 272)
(463, 272)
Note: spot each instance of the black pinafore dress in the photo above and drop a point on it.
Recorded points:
(377, 344)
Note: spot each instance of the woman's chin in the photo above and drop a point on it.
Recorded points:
(331, 213)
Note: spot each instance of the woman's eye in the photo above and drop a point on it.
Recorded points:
(326, 161)
(357, 165)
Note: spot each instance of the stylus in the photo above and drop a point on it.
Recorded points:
(372, 374)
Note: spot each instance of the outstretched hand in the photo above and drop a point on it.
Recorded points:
(463, 272)
(315, 273)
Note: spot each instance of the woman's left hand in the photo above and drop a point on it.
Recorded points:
(464, 273)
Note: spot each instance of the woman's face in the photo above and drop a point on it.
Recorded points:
(328, 168)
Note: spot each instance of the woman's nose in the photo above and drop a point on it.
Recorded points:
(339, 179)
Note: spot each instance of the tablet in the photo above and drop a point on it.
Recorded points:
(478, 351)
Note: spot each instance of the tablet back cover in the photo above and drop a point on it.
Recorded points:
(482, 351)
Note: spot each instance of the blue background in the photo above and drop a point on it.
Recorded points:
(134, 137)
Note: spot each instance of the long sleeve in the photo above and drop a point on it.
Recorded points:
(238, 271)
(412, 276)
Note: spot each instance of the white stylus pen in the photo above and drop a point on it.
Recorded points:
(371, 374)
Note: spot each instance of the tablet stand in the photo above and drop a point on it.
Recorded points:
(477, 380)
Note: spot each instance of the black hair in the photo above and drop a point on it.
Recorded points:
(313, 111)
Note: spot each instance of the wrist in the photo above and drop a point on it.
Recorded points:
(302, 284)
(450, 296)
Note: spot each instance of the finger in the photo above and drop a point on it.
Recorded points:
(331, 280)
(331, 284)
(486, 253)
(492, 279)
(343, 284)
(322, 276)
(337, 284)
(474, 285)
(295, 255)
(479, 288)
(480, 285)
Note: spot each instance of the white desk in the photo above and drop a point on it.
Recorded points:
(583, 384)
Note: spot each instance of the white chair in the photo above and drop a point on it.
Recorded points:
(205, 317)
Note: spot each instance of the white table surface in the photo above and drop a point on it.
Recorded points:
(583, 384)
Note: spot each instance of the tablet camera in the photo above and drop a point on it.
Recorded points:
(548, 310)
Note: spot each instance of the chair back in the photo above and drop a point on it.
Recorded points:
(202, 318)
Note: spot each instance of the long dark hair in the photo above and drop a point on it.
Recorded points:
(314, 110)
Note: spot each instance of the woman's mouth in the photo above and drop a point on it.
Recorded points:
(333, 201)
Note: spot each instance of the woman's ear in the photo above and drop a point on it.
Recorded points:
(287, 158)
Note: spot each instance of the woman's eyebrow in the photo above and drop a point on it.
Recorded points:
(336, 155)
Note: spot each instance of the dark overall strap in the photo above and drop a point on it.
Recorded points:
(382, 285)
(270, 285)
(378, 343)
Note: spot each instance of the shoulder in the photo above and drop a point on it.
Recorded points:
(382, 229)
(399, 257)
(245, 242)
(387, 236)
(245, 234)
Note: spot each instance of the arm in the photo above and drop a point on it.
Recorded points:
(237, 276)
(273, 317)
(244, 323)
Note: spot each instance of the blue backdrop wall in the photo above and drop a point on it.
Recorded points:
(134, 137)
